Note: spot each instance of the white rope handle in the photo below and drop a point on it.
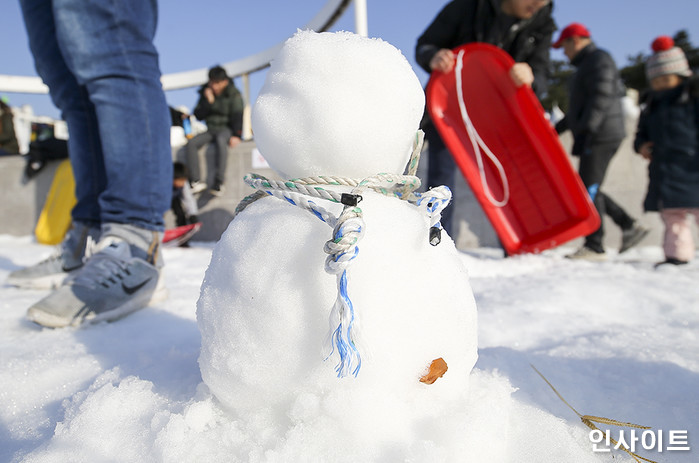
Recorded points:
(478, 143)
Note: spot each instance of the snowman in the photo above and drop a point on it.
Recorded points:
(335, 287)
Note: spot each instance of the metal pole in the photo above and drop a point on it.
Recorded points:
(247, 121)
(360, 18)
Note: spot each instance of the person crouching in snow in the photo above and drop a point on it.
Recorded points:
(668, 136)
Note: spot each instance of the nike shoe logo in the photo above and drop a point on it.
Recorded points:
(132, 289)
(67, 268)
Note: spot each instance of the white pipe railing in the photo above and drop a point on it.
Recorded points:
(360, 18)
(322, 21)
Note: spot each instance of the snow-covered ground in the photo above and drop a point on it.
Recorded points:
(617, 339)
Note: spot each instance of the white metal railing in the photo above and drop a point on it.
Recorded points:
(322, 21)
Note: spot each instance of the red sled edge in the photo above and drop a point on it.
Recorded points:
(548, 204)
(176, 236)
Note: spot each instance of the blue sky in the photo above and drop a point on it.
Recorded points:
(197, 34)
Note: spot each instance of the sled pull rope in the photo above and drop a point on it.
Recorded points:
(590, 421)
(478, 143)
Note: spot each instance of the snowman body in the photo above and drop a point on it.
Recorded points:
(266, 330)
(266, 298)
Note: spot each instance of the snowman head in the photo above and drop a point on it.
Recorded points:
(337, 104)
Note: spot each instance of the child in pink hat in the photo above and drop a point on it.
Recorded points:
(668, 136)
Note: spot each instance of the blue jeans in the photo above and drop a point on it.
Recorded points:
(101, 66)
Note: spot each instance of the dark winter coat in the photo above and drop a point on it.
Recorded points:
(670, 119)
(595, 113)
(225, 112)
(465, 21)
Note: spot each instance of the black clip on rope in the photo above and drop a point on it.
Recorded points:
(349, 199)
(435, 236)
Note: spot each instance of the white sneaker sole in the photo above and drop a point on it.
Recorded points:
(53, 321)
(47, 282)
(198, 188)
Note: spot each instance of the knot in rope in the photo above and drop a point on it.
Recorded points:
(343, 247)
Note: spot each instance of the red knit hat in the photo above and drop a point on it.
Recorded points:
(662, 43)
(571, 30)
(666, 59)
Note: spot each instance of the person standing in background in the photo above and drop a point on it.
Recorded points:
(595, 117)
(668, 136)
(522, 28)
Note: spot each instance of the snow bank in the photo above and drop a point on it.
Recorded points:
(617, 339)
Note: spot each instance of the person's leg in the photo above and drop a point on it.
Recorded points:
(193, 147)
(631, 232)
(694, 212)
(84, 145)
(592, 169)
(617, 213)
(221, 156)
(108, 46)
(440, 171)
(678, 243)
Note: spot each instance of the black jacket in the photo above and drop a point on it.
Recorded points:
(595, 114)
(465, 21)
(225, 112)
(670, 119)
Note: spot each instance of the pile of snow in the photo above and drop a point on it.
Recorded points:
(617, 339)
(264, 315)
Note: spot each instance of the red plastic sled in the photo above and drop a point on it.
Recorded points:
(509, 153)
(179, 235)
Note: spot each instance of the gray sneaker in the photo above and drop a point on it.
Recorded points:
(197, 187)
(111, 285)
(50, 273)
(585, 253)
(632, 236)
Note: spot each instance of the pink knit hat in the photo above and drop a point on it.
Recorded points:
(666, 59)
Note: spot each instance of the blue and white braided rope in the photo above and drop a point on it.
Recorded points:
(348, 229)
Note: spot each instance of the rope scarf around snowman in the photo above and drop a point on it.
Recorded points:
(348, 229)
